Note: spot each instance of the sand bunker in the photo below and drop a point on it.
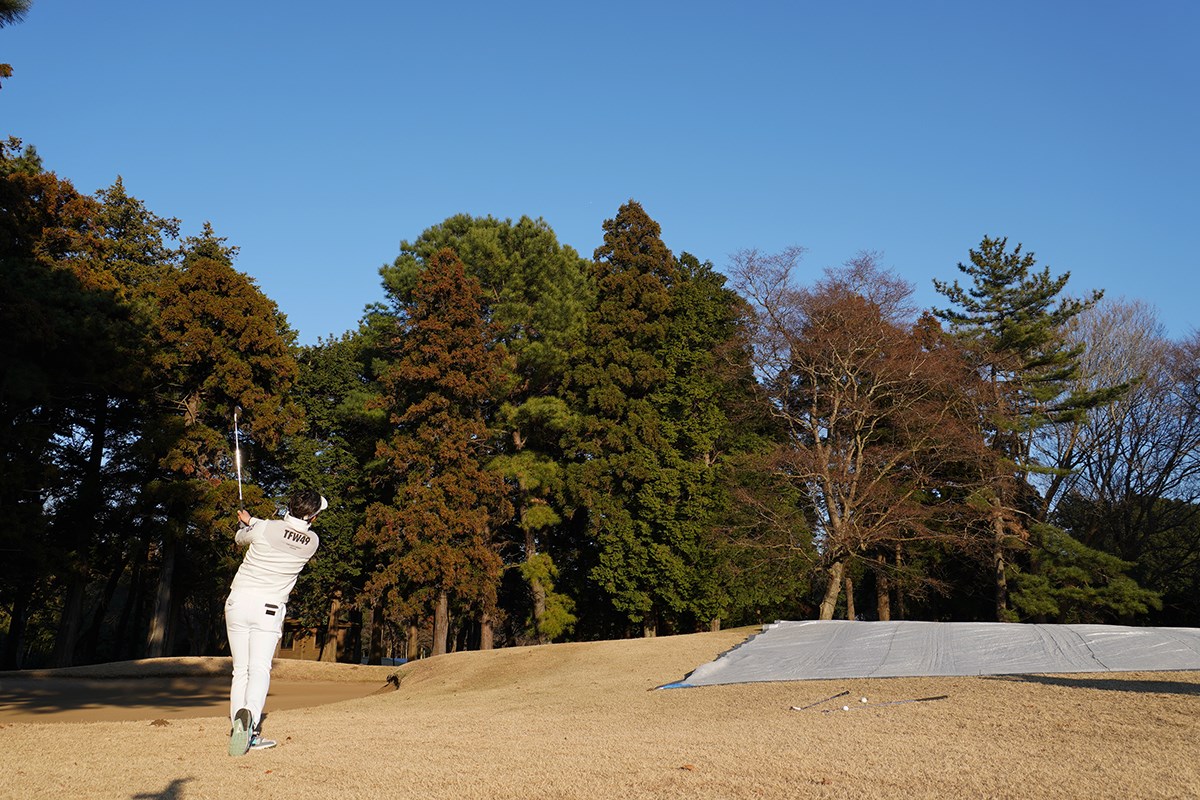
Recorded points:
(172, 688)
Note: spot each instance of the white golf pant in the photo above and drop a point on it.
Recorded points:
(254, 623)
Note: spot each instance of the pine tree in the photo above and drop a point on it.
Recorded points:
(1011, 322)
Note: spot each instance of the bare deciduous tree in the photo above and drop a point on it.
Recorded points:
(868, 407)
(1128, 457)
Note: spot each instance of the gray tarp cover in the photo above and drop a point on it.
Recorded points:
(792, 651)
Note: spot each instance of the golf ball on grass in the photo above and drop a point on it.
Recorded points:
(863, 700)
(845, 708)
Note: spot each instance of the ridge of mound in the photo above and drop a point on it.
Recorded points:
(647, 662)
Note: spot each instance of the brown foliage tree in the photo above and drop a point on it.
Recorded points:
(435, 539)
(221, 344)
(872, 406)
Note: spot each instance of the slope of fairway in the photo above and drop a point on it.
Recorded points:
(579, 721)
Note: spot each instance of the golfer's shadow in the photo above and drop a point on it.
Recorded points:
(174, 791)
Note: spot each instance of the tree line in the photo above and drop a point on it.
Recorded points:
(524, 445)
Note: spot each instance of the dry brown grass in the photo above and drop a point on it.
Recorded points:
(578, 721)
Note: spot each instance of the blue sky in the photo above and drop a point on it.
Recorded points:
(316, 137)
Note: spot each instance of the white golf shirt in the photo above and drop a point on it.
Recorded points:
(278, 550)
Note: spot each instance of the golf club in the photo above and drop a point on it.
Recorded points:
(237, 455)
(890, 703)
(819, 702)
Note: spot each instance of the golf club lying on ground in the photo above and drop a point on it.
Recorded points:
(863, 702)
(819, 702)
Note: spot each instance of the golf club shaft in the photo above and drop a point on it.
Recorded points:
(237, 454)
(819, 702)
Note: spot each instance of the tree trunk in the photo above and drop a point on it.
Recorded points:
(14, 643)
(714, 625)
(487, 632)
(536, 589)
(375, 648)
(332, 642)
(352, 644)
(832, 590)
(539, 608)
(413, 643)
(122, 646)
(850, 613)
(998, 563)
(89, 644)
(157, 640)
(441, 623)
(650, 626)
(883, 600)
(901, 605)
(69, 622)
(85, 513)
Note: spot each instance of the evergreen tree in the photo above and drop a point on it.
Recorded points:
(221, 344)
(82, 381)
(621, 440)
(647, 443)
(1075, 584)
(103, 458)
(707, 373)
(1169, 562)
(135, 242)
(13, 11)
(435, 537)
(62, 329)
(535, 289)
(534, 293)
(330, 455)
(1011, 322)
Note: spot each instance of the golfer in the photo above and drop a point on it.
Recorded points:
(278, 550)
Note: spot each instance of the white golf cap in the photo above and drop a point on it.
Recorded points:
(324, 504)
